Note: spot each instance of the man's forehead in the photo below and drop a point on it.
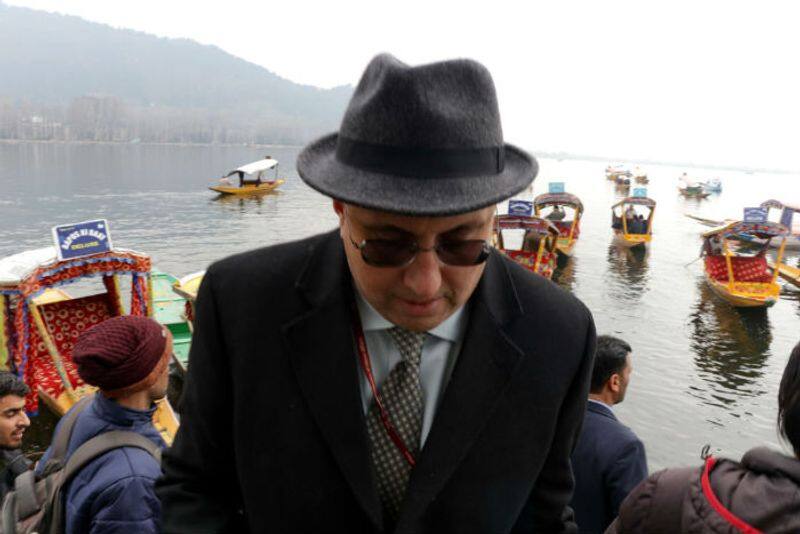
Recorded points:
(381, 219)
(11, 401)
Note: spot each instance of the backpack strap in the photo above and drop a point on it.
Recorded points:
(27, 500)
(103, 443)
(61, 441)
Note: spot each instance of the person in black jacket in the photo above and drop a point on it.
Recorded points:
(609, 460)
(482, 367)
(13, 423)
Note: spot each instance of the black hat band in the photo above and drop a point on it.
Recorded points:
(421, 162)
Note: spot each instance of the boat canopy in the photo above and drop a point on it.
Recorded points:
(517, 222)
(19, 269)
(639, 201)
(761, 230)
(777, 204)
(255, 167)
(563, 199)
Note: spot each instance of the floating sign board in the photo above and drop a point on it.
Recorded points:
(755, 215)
(82, 239)
(555, 187)
(520, 207)
(640, 192)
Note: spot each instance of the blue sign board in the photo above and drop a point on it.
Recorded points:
(555, 187)
(755, 215)
(82, 239)
(520, 207)
(640, 192)
(786, 217)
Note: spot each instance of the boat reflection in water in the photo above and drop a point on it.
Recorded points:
(629, 273)
(243, 202)
(564, 275)
(731, 348)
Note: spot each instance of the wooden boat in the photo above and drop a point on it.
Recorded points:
(37, 335)
(250, 179)
(787, 272)
(614, 172)
(629, 232)
(693, 191)
(169, 310)
(743, 281)
(537, 238)
(640, 176)
(569, 228)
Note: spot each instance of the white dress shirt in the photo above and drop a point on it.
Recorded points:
(439, 353)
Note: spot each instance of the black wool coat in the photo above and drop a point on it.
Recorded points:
(273, 438)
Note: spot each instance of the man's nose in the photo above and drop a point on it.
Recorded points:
(25, 420)
(424, 276)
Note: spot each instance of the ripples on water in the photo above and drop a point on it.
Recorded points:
(703, 371)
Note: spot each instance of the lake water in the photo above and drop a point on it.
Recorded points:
(703, 371)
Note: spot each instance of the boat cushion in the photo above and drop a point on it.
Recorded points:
(745, 269)
(564, 227)
(64, 321)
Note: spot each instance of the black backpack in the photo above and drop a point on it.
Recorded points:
(36, 504)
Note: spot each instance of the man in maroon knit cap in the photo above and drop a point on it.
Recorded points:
(127, 359)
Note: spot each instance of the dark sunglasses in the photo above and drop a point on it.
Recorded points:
(401, 252)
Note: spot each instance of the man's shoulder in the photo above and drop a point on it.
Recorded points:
(614, 431)
(284, 256)
(116, 468)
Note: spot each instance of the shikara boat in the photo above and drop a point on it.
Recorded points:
(251, 179)
(537, 238)
(37, 335)
(633, 229)
(693, 191)
(742, 280)
(568, 223)
(169, 309)
(640, 176)
(613, 172)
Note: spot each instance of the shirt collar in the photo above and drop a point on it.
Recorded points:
(603, 404)
(452, 329)
(114, 412)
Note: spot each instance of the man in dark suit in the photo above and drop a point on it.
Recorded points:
(398, 374)
(609, 460)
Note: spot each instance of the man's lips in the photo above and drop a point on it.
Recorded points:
(420, 307)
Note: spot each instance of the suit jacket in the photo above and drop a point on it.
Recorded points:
(273, 434)
(609, 461)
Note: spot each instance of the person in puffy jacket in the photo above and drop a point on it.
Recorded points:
(127, 359)
(760, 493)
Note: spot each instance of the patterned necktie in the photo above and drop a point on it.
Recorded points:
(401, 394)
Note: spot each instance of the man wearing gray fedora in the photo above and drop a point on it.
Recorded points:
(397, 374)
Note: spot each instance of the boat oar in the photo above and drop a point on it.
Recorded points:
(691, 262)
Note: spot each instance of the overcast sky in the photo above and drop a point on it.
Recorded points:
(704, 81)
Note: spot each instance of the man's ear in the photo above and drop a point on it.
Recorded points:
(614, 382)
(338, 207)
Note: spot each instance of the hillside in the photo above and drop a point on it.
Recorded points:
(49, 62)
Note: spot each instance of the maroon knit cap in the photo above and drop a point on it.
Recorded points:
(119, 352)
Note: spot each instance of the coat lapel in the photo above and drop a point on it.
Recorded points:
(482, 372)
(323, 357)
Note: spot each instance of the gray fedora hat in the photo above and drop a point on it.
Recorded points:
(422, 141)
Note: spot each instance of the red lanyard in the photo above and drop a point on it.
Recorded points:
(361, 344)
